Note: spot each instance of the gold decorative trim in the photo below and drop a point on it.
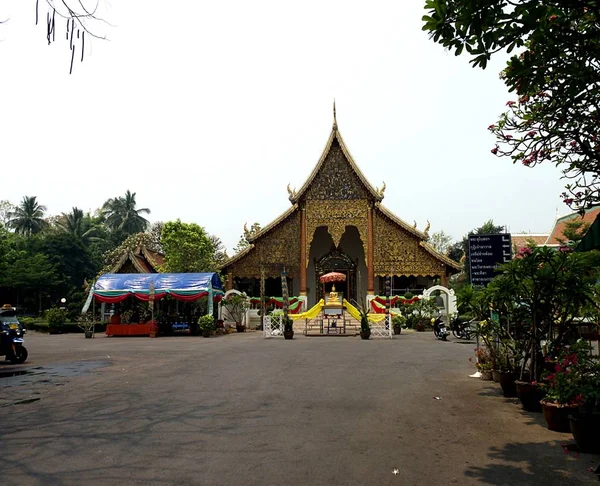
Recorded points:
(335, 134)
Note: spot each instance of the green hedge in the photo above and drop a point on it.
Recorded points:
(67, 328)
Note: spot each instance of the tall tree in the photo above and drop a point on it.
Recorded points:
(556, 77)
(219, 251)
(122, 215)
(6, 207)
(78, 225)
(440, 241)
(28, 217)
(155, 233)
(248, 233)
(187, 248)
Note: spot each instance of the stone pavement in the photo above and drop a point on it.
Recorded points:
(239, 409)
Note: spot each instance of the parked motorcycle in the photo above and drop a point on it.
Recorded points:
(11, 337)
(439, 328)
(462, 329)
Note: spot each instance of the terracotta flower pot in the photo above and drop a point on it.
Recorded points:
(486, 375)
(507, 382)
(530, 395)
(586, 431)
(557, 415)
(288, 334)
(496, 376)
(365, 334)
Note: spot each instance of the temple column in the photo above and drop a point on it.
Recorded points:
(229, 282)
(370, 254)
(444, 279)
(303, 252)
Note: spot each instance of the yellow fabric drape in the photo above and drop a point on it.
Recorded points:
(354, 312)
(310, 313)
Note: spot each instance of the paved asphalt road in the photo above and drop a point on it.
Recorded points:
(240, 409)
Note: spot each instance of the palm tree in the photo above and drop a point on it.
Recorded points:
(78, 225)
(121, 214)
(28, 217)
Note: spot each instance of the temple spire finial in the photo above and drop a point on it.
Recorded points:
(334, 115)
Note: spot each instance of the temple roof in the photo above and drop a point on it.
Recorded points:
(336, 135)
(143, 260)
(280, 219)
(561, 224)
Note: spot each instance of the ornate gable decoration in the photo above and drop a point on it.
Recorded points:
(336, 176)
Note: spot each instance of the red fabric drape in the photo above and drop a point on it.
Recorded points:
(146, 297)
(111, 300)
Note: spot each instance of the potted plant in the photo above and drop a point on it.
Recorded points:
(565, 387)
(57, 319)
(397, 322)
(484, 363)
(206, 324)
(585, 422)
(236, 307)
(85, 322)
(288, 329)
(126, 316)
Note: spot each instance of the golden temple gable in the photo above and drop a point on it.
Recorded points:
(337, 222)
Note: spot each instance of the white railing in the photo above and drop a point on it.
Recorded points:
(273, 326)
(383, 328)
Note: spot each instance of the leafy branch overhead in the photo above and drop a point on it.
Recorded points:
(556, 112)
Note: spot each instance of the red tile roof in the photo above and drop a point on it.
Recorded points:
(560, 225)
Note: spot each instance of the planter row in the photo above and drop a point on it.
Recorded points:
(583, 424)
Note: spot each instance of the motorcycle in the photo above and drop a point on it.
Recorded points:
(462, 330)
(439, 328)
(11, 337)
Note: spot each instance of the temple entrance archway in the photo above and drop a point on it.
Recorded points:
(348, 258)
(337, 261)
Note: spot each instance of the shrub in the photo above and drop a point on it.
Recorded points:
(206, 323)
(398, 321)
(56, 317)
(27, 321)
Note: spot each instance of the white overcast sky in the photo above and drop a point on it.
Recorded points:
(208, 109)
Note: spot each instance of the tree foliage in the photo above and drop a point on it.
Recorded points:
(28, 217)
(440, 241)
(187, 248)
(246, 236)
(122, 215)
(556, 113)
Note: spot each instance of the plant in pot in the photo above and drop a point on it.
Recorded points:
(57, 319)
(207, 325)
(288, 329)
(86, 323)
(585, 422)
(126, 316)
(565, 386)
(236, 306)
(483, 363)
(397, 322)
(538, 295)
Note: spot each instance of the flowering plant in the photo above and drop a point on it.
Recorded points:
(576, 376)
(485, 361)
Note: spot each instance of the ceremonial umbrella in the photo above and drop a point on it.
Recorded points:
(333, 277)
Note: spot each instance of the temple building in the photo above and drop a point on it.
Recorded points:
(337, 222)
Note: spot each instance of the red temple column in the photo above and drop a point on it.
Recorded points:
(303, 252)
(444, 279)
(370, 254)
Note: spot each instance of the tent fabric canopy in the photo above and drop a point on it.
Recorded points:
(116, 287)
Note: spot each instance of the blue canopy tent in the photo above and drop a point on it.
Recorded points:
(116, 287)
